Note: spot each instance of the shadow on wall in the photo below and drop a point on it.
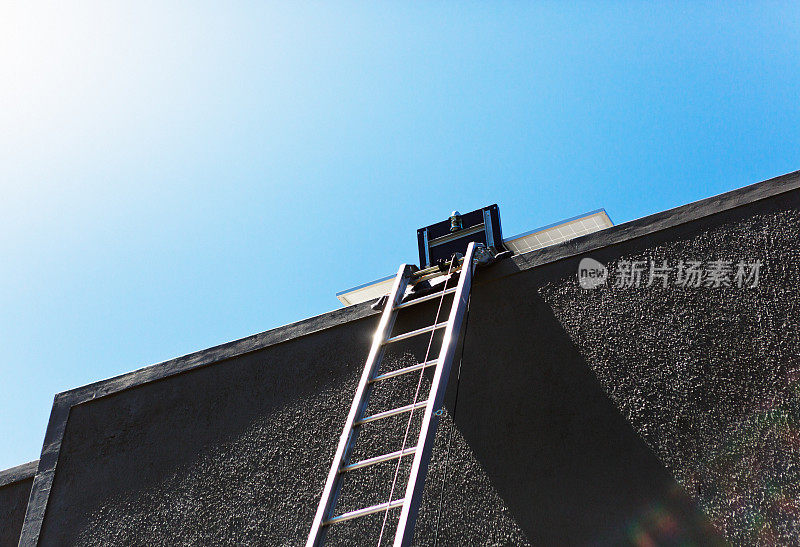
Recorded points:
(570, 468)
(708, 376)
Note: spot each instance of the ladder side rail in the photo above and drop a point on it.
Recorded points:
(349, 433)
(430, 421)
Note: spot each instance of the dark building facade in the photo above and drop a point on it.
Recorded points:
(15, 487)
(659, 407)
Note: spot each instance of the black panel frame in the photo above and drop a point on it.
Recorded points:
(474, 229)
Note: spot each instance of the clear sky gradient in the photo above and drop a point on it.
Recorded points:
(178, 175)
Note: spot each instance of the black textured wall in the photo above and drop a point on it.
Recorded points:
(15, 487)
(575, 411)
(708, 376)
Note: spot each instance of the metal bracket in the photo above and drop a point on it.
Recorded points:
(483, 255)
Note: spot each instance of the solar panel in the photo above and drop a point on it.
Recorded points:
(559, 232)
(367, 291)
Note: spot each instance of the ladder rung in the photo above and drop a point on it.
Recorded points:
(400, 371)
(393, 412)
(378, 459)
(365, 511)
(425, 298)
(417, 332)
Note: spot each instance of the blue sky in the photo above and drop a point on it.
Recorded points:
(178, 175)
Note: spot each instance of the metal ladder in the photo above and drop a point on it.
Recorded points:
(409, 503)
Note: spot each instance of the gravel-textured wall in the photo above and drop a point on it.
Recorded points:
(561, 392)
(15, 487)
(708, 376)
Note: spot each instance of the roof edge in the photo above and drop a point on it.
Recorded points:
(596, 240)
(663, 220)
(215, 354)
(18, 473)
